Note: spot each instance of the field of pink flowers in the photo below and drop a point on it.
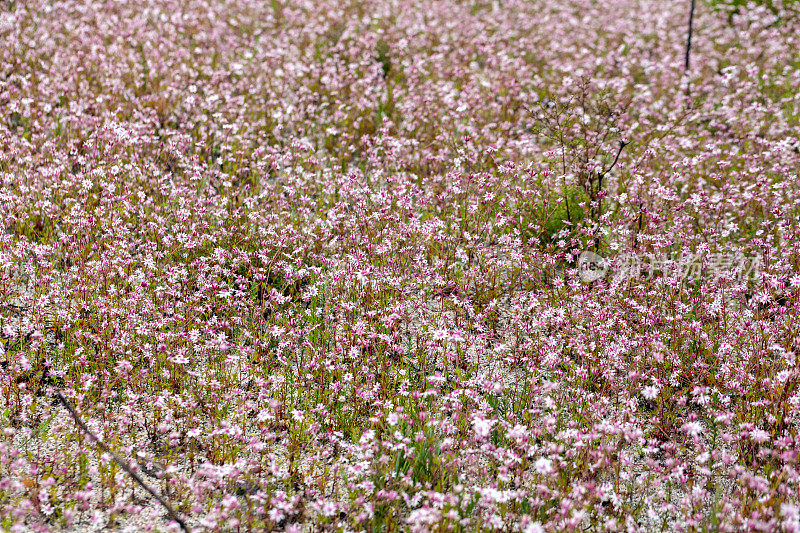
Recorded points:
(322, 265)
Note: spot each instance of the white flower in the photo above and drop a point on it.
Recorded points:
(482, 427)
(328, 509)
(367, 437)
(543, 465)
(439, 335)
(392, 419)
(179, 359)
(535, 527)
(651, 392)
(759, 435)
(518, 432)
(692, 428)
(791, 517)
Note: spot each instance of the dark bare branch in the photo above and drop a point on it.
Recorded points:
(122, 464)
(622, 145)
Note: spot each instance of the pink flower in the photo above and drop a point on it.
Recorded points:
(759, 435)
(482, 427)
(650, 392)
(543, 465)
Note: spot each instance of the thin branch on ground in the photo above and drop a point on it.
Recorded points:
(122, 464)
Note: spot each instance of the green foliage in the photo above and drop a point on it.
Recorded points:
(567, 215)
(736, 6)
(382, 56)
